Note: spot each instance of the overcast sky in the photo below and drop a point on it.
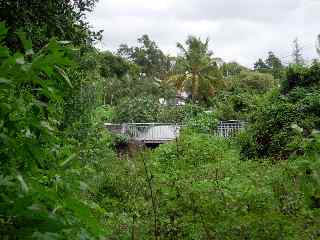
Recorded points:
(239, 30)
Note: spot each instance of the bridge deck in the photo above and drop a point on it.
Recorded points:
(165, 132)
(147, 132)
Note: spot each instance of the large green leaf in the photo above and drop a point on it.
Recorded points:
(69, 159)
(4, 81)
(24, 185)
(46, 236)
(4, 52)
(27, 43)
(64, 75)
(3, 31)
(84, 214)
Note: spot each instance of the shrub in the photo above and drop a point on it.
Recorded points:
(233, 105)
(301, 76)
(104, 114)
(179, 114)
(203, 123)
(197, 188)
(257, 82)
(270, 130)
(139, 110)
(309, 106)
(270, 133)
(45, 173)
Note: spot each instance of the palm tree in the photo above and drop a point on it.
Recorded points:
(196, 71)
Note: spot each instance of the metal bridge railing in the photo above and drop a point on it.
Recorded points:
(163, 132)
(147, 132)
(229, 128)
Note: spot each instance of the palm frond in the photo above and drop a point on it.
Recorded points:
(177, 80)
(182, 48)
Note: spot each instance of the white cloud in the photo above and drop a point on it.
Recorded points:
(236, 9)
(241, 30)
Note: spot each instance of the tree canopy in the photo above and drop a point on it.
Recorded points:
(42, 20)
(147, 55)
(197, 70)
(272, 65)
(232, 69)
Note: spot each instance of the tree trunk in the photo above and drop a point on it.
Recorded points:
(195, 87)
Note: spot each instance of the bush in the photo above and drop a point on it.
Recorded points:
(199, 181)
(46, 168)
(273, 132)
(301, 76)
(270, 130)
(270, 133)
(233, 105)
(203, 123)
(104, 114)
(139, 110)
(253, 81)
(148, 109)
(179, 114)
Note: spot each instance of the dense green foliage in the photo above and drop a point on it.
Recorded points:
(272, 65)
(200, 187)
(42, 20)
(196, 71)
(143, 109)
(197, 188)
(300, 76)
(232, 69)
(61, 176)
(241, 95)
(274, 123)
(253, 81)
(126, 79)
(179, 114)
(148, 109)
(153, 62)
(45, 193)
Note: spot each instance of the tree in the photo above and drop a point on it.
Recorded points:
(116, 66)
(123, 79)
(232, 69)
(37, 89)
(275, 65)
(253, 81)
(298, 76)
(200, 72)
(153, 62)
(261, 66)
(137, 109)
(297, 53)
(271, 65)
(42, 20)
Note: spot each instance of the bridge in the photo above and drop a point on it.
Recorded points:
(158, 133)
